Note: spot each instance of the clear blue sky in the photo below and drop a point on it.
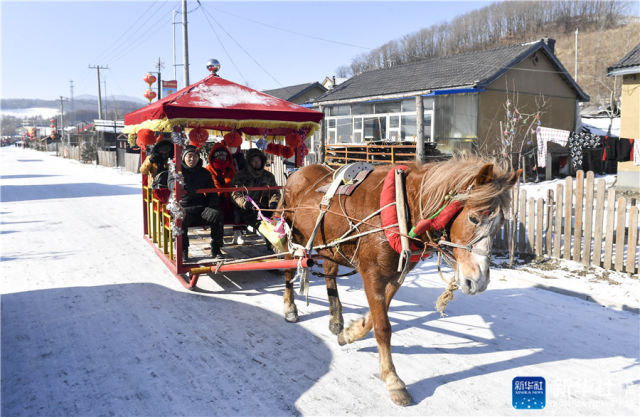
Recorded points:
(45, 44)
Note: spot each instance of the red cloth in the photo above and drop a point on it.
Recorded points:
(216, 98)
(389, 215)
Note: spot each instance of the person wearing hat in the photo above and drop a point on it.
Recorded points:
(200, 208)
(157, 160)
(254, 175)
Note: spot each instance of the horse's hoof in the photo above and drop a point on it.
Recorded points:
(400, 397)
(335, 328)
(291, 317)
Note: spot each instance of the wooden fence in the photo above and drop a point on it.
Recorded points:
(582, 222)
(107, 158)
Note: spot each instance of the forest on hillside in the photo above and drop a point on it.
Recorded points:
(511, 22)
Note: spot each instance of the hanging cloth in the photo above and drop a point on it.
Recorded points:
(546, 134)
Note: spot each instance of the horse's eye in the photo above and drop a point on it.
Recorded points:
(474, 219)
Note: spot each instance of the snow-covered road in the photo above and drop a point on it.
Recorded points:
(94, 324)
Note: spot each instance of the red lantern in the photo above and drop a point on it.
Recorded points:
(232, 139)
(293, 140)
(150, 95)
(149, 79)
(198, 136)
(145, 138)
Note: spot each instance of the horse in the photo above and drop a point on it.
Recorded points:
(481, 186)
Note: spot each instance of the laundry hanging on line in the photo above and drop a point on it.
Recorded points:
(546, 134)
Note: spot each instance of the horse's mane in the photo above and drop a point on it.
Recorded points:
(457, 174)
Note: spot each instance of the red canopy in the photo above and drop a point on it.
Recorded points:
(215, 103)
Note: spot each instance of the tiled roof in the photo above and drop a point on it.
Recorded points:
(631, 59)
(292, 91)
(471, 69)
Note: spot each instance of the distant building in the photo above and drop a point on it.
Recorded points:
(463, 98)
(298, 94)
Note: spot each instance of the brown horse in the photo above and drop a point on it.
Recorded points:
(480, 184)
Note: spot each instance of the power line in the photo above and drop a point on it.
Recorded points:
(223, 47)
(294, 32)
(141, 38)
(244, 50)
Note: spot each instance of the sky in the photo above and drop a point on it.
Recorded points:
(264, 45)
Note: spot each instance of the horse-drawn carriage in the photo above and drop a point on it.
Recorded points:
(379, 220)
(219, 107)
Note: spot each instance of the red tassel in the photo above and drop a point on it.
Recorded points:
(198, 136)
(293, 140)
(232, 139)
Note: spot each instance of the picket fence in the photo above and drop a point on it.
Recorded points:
(584, 223)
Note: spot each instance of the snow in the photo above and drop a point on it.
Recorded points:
(230, 95)
(600, 125)
(93, 323)
(31, 112)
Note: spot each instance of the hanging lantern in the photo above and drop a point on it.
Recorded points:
(145, 138)
(232, 139)
(150, 95)
(293, 140)
(198, 136)
(149, 79)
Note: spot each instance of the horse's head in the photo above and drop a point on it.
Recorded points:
(472, 230)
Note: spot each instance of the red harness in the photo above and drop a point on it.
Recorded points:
(389, 216)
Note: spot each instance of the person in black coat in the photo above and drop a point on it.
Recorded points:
(200, 208)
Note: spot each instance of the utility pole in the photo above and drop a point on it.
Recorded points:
(419, 129)
(185, 43)
(106, 99)
(98, 68)
(62, 116)
(159, 66)
(173, 26)
(575, 75)
(71, 96)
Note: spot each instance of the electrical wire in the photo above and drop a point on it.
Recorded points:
(240, 46)
(116, 44)
(140, 38)
(223, 47)
(292, 31)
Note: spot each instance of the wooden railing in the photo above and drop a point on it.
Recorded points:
(342, 154)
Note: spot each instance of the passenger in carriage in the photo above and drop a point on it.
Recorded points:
(200, 208)
(254, 175)
(158, 159)
(222, 171)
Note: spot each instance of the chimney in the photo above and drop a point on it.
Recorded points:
(551, 44)
(334, 81)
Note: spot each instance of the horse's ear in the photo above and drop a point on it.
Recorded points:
(485, 174)
(515, 177)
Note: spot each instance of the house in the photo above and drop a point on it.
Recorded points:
(298, 94)
(629, 68)
(330, 82)
(463, 98)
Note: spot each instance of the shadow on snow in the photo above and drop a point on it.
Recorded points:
(107, 350)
